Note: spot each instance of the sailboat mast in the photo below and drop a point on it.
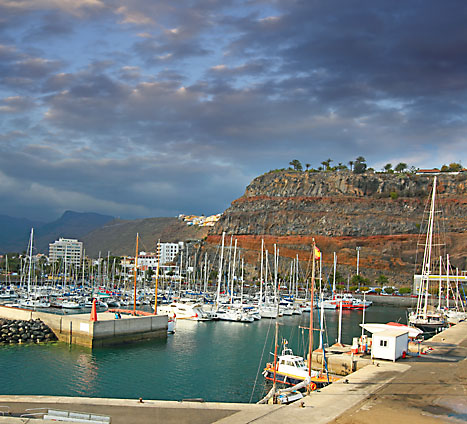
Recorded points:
(205, 272)
(261, 276)
(440, 282)
(428, 247)
(135, 272)
(310, 343)
(157, 279)
(276, 336)
(30, 260)
(448, 286)
(334, 275)
(219, 275)
(233, 274)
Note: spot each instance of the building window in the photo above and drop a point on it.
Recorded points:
(383, 343)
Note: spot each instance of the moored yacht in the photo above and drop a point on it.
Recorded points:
(188, 310)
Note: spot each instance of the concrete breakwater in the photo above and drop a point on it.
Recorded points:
(19, 331)
(79, 329)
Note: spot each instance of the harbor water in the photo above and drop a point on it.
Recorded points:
(217, 361)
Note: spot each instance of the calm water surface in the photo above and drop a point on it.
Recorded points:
(216, 361)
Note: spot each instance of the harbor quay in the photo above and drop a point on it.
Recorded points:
(79, 329)
(425, 388)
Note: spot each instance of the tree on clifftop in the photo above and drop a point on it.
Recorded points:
(359, 165)
(388, 167)
(400, 167)
(453, 167)
(296, 165)
(327, 164)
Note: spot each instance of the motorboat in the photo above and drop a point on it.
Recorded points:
(188, 310)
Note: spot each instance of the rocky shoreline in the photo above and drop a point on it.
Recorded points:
(18, 331)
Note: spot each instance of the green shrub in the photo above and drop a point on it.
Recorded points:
(405, 290)
(378, 290)
(394, 195)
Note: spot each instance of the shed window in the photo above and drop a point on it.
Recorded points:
(383, 343)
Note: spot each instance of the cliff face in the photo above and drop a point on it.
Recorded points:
(382, 213)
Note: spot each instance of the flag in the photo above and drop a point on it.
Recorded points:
(317, 253)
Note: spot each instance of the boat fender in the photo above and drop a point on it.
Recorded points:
(404, 354)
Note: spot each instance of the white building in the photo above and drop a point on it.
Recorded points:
(167, 252)
(390, 344)
(67, 250)
(146, 261)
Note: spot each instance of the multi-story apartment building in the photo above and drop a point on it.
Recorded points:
(68, 250)
(167, 252)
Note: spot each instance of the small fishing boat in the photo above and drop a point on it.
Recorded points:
(291, 369)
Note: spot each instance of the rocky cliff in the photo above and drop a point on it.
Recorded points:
(381, 213)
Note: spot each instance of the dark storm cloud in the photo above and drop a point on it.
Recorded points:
(174, 106)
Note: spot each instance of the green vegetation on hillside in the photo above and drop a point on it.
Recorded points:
(359, 166)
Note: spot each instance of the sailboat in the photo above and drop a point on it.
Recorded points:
(426, 317)
(32, 301)
(291, 369)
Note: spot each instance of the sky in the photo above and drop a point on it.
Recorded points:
(153, 108)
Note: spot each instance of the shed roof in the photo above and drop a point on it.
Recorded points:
(391, 333)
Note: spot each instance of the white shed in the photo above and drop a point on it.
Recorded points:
(390, 344)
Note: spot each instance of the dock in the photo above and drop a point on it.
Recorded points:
(420, 389)
(79, 329)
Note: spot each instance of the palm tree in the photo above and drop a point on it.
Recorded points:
(351, 164)
(307, 165)
(400, 167)
(360, 165)
(296, 165)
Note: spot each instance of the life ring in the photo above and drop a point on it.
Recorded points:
(312, 387)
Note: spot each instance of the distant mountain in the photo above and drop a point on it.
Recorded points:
(69, 225)
(119, 236)
(14, 232)
(99, 233)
